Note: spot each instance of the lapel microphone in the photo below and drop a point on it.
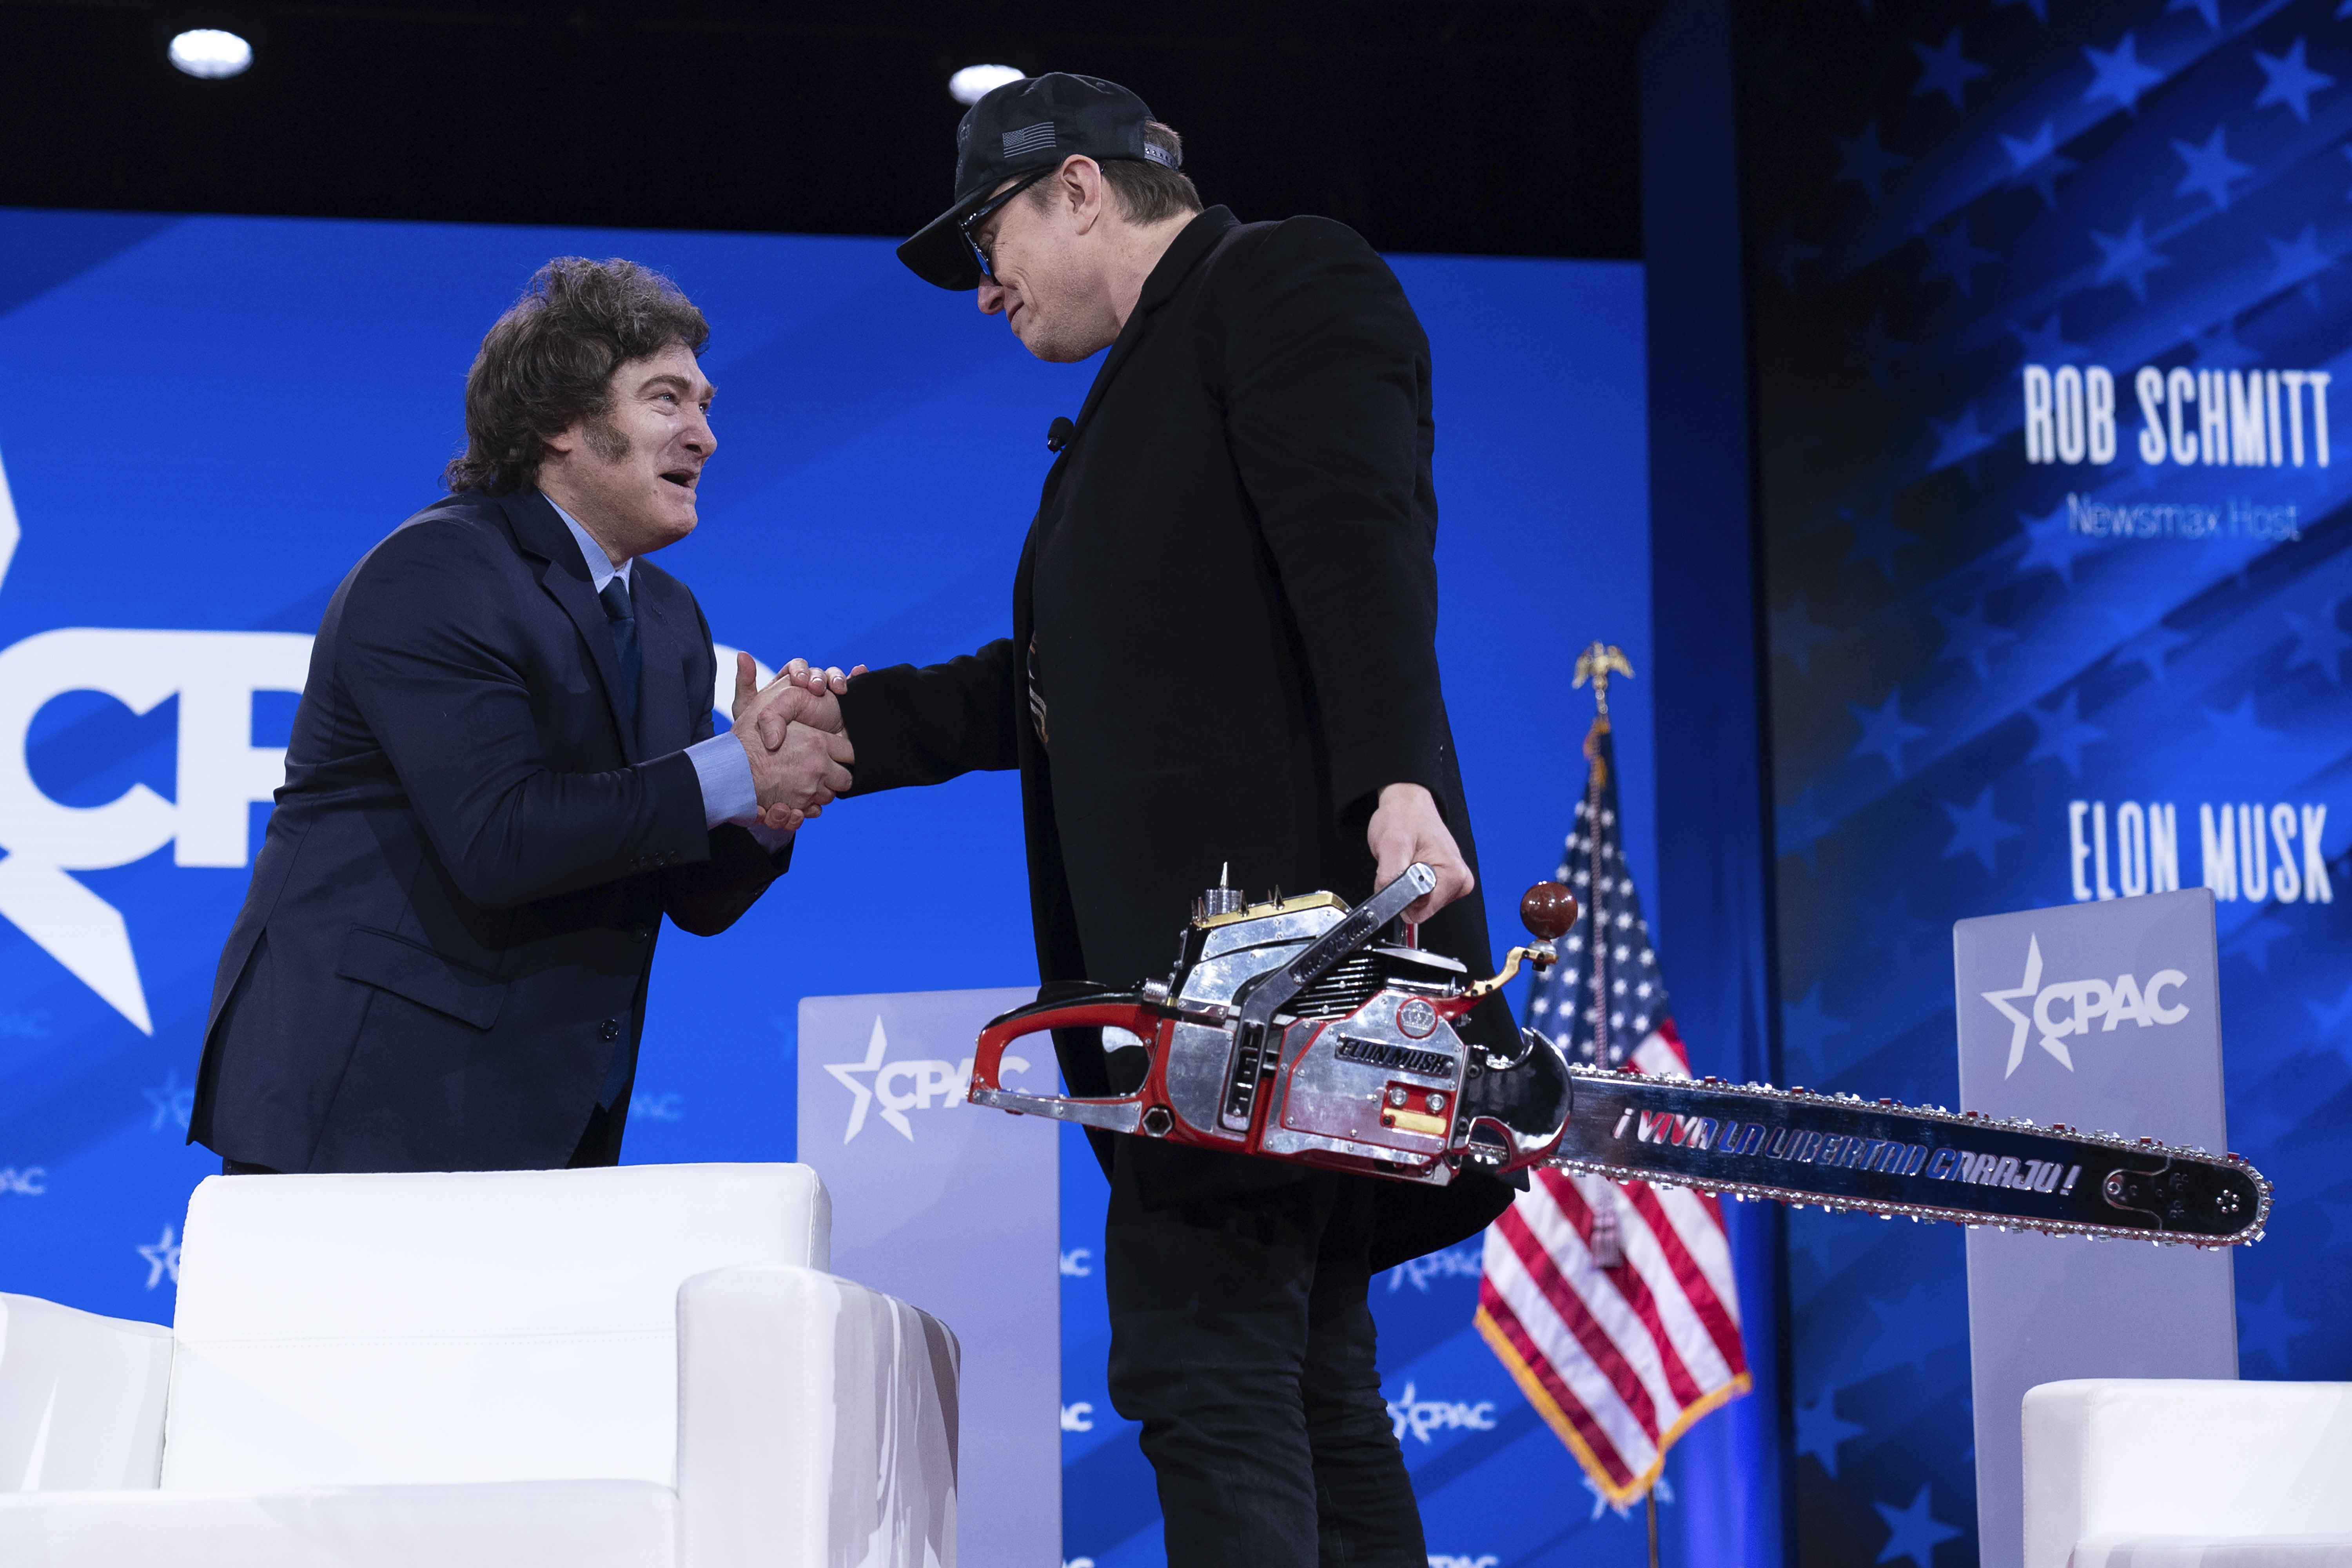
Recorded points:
(1060, 433)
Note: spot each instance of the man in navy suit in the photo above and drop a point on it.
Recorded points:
(501, 777)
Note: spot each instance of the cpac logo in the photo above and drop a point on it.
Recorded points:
(903, 1086)
(220, 773)
(32, 1181)
(1422, 1416)
(2083, 1001)
(1440, 1560)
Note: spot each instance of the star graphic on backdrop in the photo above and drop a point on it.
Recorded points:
(1819, 1429)
(2036, 162)
(2296, 259)
(1969, 635)
(2129, 257)
(2061, 734)
(1784, 252)
(174, 1101)
(1914, 1531)
(2118, 74)
(1876, 539)
(1793, 635)
(2254, 938)
(2045, 344)
(1874, 347)
(1950, 254)
(162, 1258)
(1977, 830)
(1862, 160)
(2331, 1015)
(2217, 347)
(2209, 169)
(1805, 1028)
(2208, 9)
(2236, 727)
(2049, 541)
(2147, 646)
(1957, 440)
(2290, 82)
(2041, 9)
(1900, 1341)
(1943, 69)
(1798, 827)
(1890, 929)
(2319, 641)
(2268, 1326)
(1884, 731)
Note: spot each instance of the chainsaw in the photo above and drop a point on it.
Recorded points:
(1303, 1030)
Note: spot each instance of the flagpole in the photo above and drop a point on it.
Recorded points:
(1650, 1505)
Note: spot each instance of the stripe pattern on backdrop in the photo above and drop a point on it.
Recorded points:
(1612, 1303)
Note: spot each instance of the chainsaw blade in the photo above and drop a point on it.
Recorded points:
(1844, 1153)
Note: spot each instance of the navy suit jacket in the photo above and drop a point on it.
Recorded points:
(453, 916)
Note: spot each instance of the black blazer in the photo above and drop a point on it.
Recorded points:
(1231, 597)
(452, 920)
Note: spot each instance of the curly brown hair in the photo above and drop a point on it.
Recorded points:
(548, 362)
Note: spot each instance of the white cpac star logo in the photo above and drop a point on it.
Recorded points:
(2121, 1002)
(933, 1081)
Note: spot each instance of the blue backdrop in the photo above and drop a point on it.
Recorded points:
(2056, 575)
(214, 418)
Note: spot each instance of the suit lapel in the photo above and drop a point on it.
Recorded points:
(1184, 252)
(664, 639)
(539, 531)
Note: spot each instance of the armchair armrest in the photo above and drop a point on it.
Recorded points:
(2185, 1458)
(81, 1398)
(816, 1424)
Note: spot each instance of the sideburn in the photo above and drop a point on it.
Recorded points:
(604, 438)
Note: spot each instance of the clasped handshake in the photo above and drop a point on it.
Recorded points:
(792, 731)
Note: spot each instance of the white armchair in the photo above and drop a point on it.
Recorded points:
(642, 1367)
(2185, 1473)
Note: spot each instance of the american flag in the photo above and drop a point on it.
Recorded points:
(1612, 1303)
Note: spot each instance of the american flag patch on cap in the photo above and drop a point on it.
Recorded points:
(1030, 138)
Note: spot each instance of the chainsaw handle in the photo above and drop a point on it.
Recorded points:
(1118, 1010)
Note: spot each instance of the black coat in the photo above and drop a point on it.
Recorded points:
(1230, 599)
(452, 920)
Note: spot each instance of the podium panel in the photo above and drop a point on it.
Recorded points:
(956, 1210)
(2103, 1016)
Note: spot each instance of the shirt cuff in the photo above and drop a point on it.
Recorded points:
(727, 792)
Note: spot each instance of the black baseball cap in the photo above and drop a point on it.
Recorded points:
(1024, 125)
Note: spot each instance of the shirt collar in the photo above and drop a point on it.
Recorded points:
(601, 569)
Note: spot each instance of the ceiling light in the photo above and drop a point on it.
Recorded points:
(210, 53)
(973, 83)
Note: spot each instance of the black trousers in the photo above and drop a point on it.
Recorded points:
(1241, 1341)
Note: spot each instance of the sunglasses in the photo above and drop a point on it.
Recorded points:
(987, 210)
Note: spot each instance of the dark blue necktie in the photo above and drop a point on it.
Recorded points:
(620, 619)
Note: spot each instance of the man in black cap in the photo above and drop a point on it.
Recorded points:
(1222, 651)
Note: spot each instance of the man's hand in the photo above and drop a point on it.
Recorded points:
(796, 694)
(806, 768)
(816, 702)
(1406, 827)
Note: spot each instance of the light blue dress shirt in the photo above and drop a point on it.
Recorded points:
(725, 772)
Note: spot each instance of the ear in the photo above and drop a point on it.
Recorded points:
(566, 441)
(1084, 190)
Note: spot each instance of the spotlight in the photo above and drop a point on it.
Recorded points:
(973, 83)
(210, 53)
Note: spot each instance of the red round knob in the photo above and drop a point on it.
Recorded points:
(1547, 910)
